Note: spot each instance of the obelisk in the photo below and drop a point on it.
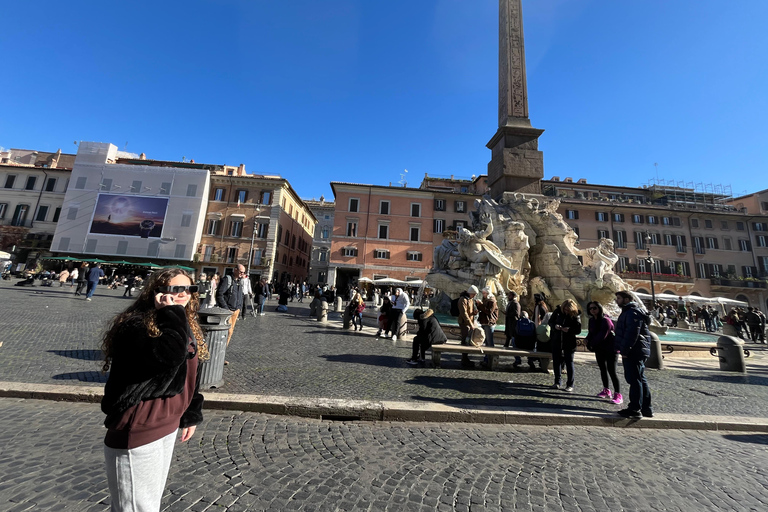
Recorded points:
(516, 163)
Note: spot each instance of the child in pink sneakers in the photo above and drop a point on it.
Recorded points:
(600, 340)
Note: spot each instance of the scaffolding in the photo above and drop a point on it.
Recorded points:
(690, 195)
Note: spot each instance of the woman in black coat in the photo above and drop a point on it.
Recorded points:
(429, 333)
(565, 324)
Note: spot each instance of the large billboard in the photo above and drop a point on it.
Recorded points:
(129, 215)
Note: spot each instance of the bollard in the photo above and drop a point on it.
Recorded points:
(730, 350)
(338, 305)
(656, 359)
(322, 311)
(313, 306)
(215, 325)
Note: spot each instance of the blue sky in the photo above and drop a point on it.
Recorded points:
(357, 90)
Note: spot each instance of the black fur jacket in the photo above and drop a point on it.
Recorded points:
(144, 368)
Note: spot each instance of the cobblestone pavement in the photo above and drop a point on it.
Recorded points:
(51, 459)
(51, 337)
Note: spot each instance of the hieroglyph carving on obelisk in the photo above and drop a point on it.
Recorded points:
(513, 89)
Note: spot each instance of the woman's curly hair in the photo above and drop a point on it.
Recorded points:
(143, 309)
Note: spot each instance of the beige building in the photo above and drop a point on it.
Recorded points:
(257, 221)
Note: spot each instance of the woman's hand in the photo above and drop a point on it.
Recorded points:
(163, 299)
(187, 432)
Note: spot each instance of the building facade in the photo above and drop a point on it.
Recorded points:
(34, 184)
(380, 231)
(257, 221)
(119, 204)
(321, 251)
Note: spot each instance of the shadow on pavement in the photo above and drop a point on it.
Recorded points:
(82, 376)
(729, 379)
(86, 355)
(747, 438)
(382, 361)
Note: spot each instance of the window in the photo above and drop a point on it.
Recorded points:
(618, 217)
(744, 245)
(415, 233)
(218, 194)
(698, 245)
(241, 195)
(764, 205)
(415, 209)
(122, 247)
(90, 246)
(136, 186)
(256, 257)
(668, 240)
(748, 271)
(351, 228)
(186, 219)
(637, 219)
(72, 213)
(413, 256)
(680, 243)
(10, 180)
(326, 233)
(723, 224)
(715, 270)
(739, 226)
(460, 206)
(322, 255)
(458, 225)
(31, 180)
(384, 231)
(3, 208)
(42, 213)
(180, 250)
(354, 204)
(666, 221)
(701, 270)
(165, 188)
(621, 265)
(694, 223)
(20, 215)
(439, 226)
(439, 205)
(761, 241)
(711, 242)
(381, 254)
(639, 240)
(231, 254)
(727, 244)
(708, 224)
(571, 214)
(602, 233)
(620, 239)
(56, 214)
(191, 190)
(641, 265)
(106, 184)
(207, 253)
(213, 227)
(760, 226)
(383, 207)
(601, 216)
(349, 251)
(763, 262)
(50, 185)
(652, 219)
(80, 182)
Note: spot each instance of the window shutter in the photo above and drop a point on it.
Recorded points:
(597, 215)
(744, 271)
(682, 241)
(576, 214)
(676, 221)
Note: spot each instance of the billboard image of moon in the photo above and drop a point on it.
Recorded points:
(129, 215)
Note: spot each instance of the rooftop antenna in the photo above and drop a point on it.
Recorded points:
(657, 170)
(125, 148)
(403, 176)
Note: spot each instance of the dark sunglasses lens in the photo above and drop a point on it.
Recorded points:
(193, 288)
(178, 289)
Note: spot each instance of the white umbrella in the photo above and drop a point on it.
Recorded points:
(365, 280)
(4, 255)
(388, 281)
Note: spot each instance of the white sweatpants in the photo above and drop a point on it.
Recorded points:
(137, 476)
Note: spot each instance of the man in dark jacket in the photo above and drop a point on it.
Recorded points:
(429, 333)
(633, 338)
(753, 322)
(229, 295)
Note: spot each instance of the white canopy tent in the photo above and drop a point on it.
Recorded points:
(722, 301)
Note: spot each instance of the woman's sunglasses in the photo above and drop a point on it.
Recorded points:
(178, 289)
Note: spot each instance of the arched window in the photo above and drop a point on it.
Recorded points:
(642, 290)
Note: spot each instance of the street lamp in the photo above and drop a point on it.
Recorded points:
(649, 259)
(253, 239)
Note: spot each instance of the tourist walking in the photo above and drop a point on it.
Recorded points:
(565, 324)
(229, 295)
(634, 342)
(63, 277)
(81, 278)
(356, 307)
(600, 340)
(152, 351)
(94, 276)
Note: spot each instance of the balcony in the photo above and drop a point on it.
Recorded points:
(737, 283)
(646, 276)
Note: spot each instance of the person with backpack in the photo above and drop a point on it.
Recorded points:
(600, 340)
(429, 333)
(467, 314)
(229, 295)
(525, 339)
(565, 324)
(633, 339)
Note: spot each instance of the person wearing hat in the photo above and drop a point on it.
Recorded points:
(467, 314)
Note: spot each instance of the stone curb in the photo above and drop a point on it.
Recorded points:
(362, 410)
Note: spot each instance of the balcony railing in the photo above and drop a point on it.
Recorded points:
(737, 283)
(646, 276)
(699, 250)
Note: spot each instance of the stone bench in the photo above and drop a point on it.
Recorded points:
(493, 353)
(689, 346)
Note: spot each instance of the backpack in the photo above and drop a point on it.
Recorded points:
(542, 332)
(455, 306)
(525, 327)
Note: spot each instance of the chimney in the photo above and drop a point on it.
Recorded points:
(143, 156)
(241, 170)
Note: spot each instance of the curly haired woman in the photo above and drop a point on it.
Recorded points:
(152, 351)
